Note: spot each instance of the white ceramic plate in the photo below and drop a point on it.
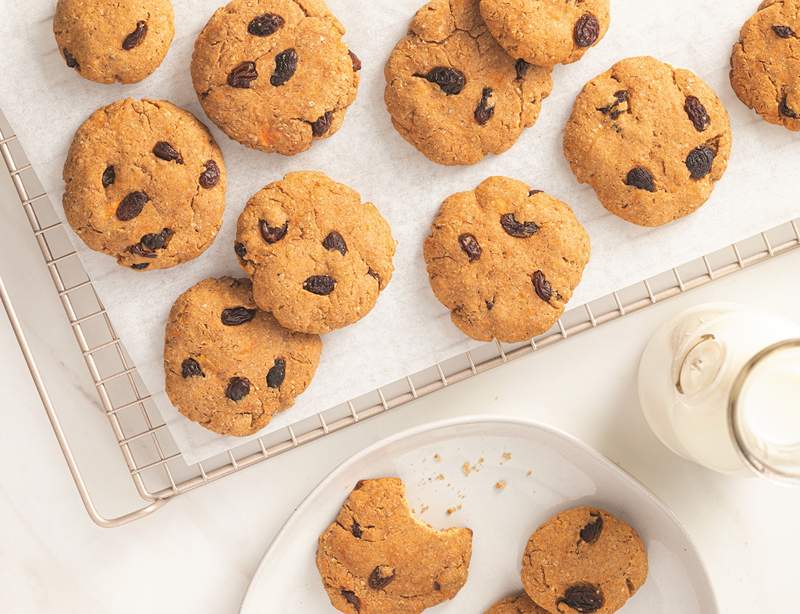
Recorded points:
(544, 471)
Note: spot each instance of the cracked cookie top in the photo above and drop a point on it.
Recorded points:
(765, 65)
(516, 604)
(145, 183)
(376, 557)
(652, 140)
(275, 74)
(505, 259)
(229, 366)
(453, 92)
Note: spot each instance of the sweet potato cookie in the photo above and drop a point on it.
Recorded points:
(516, 604)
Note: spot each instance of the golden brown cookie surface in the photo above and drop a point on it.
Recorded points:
(145, 183)
(516, 604)
(377, 558)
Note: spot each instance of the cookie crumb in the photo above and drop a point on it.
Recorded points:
(500, 485)
(437, 458)
(466, 469)
(440, 477)
(530, 473)
(453, 510)
(424, 508)
(505, 457)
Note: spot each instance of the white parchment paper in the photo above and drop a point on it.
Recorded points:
(409, 329)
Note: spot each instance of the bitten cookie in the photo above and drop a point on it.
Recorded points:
(652, 140)
(765, 65)
(317, 255)
(546, 32)
(275, 74)
(505, 259)
(145, 183)
(377, 558)
(114, 40)
(584, 560)
(230, 367)
(516, 604)
(453, 92)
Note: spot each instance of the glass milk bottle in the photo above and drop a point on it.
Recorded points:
(720, 385)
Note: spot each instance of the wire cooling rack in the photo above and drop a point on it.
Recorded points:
(150, 456)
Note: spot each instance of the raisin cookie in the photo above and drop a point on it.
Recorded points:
(145, 183)
(275, 74)
(765, 65)
(546, 32)
(317, 255)
(228, 366)
(505, 259)
(516, 604)
(114, 40)
(377, 558)
(652, 140)
(452, 91)
(584, 560)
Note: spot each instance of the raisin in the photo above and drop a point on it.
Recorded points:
(244, 74)
(613, 110)
(380, 577)
(240, 250)
(140, 266)
(483, 112)
(591, 532)
(322, 125)
(131, 206)
(469, 244)
(450, 80)
(534, 192)
(70, 59)
(335, 242)
(265, 25)
(522, 67)
(356, 530)
(584, 598)
(273, 234)
(375, 275)
(437, 586)
(786, 110)
(352, 599)
(236, 316)
(489, 305)
(154, 241)
(356, 61)
(141, 251)
(285, 67)
(587, 30)
(519, 230)
(135, 38)
(210, 177)
(697, 113)
(238, 388)
(783, 31)
(165, 151)
(109, 176)
(321, 285)
(277, 373)
(700, 160)
(191, 368)
(542, 287)
(639, 177)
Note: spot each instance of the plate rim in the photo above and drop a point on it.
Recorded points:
(480, 419)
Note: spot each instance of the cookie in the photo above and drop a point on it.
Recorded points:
(229, 366)
(452, 91)
(505, 259)
(516, 604)
(584, 560)
(765, 64)
(145, 183)
(113, 40)
(377, 558)
(546, 32)
(652, 140)
(275, 75)
(317, 255)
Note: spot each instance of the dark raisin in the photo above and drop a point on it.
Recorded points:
(131, 206)
(335, 242)
(109, 176)
(273, 234)
(587, 30)
(238, 388)
(165, 151)
(359, 485)
(489, 305)
(135, 38)
(591, 532)
(613, 110)
(697, 113)
(437, 586)
(355, 60)
(236, 316)
(322, 125)
(155, 241)
(786, 110)
(700, 160)
(783, 31)
(321, 285)
(450, 80)
(584, 598)
(522, 67)
(140, 266)
(483, 112)
(277, 373)
(285, 67)
(265, 25)
(381, 577)
(639, 177)
(210, 177)
(375, 275)
(356, 530)
(191, 368)
(352, 599)
(520, 230)
(470, 246)
(534, 192)
(542, 287)
(141, 251)
(240, 250)
(70, 59)
(243, 75)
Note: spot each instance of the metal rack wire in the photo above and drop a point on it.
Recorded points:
(151, 457)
